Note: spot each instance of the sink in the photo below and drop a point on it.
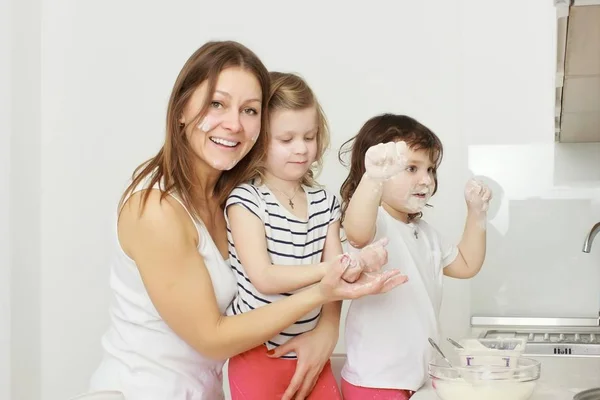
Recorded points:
(591, 394)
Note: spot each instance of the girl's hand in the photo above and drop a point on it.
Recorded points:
(371, 258)
(385, 160)
(353, 269)
(478, 196)
(374, 256)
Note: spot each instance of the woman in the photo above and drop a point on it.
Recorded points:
(170, 278)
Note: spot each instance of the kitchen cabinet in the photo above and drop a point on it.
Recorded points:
(577, 100)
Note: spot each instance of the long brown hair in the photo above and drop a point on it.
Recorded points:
(173, 167)
(382, 129)
(291, 92)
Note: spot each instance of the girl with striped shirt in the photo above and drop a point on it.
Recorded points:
(284, 233)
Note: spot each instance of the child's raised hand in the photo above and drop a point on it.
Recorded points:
(478, 196)
(385, 160)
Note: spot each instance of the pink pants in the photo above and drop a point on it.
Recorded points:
(351, 392)
(255, 376)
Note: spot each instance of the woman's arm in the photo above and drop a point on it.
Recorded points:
(162, 242)
(330, 316)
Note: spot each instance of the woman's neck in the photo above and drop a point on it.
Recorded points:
(206, 179)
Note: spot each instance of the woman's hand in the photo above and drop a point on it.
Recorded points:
(313, 350)
(334, 287)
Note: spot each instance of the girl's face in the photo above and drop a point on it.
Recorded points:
(409, 191)
(293, 143)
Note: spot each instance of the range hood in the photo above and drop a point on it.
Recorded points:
(577, 112)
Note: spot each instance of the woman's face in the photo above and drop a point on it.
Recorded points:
(232, 123)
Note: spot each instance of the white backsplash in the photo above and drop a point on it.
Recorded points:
(547, 195)
(547, 199)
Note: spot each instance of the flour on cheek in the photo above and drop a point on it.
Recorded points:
(206, 124)
(405, 196)
(222, 165)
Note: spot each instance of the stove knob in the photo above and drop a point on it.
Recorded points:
(531, 337)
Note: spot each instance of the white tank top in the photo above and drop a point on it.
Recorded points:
(143, 357)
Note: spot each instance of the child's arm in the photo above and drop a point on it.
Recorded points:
(248, 233)
(361, 214)
(382, 162)
(472, 247)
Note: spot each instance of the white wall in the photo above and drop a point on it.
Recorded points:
(25, 199)
(5, 100)
(481, 76)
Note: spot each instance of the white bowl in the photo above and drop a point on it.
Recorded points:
(483, 382)
(499, 352)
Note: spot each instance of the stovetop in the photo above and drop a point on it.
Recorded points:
(555, 342)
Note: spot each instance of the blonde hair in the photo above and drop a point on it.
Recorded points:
(291, 92)
(173, 167)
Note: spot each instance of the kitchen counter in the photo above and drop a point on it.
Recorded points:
(561, 378)
(542, 392)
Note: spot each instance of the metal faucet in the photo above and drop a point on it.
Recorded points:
(589, 239)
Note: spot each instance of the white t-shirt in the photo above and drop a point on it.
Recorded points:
(386, 335)
(290, 241)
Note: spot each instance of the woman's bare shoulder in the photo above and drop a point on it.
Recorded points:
(156, 216)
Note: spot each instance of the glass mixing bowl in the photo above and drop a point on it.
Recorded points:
(489, 382)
